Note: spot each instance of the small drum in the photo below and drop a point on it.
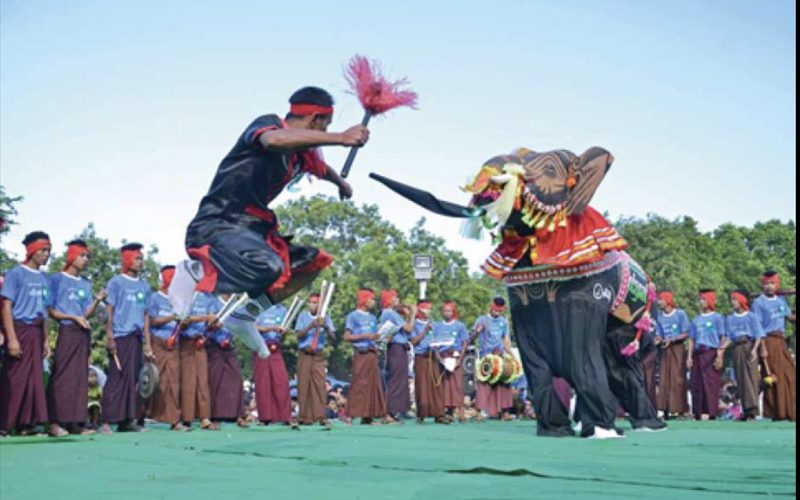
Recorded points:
(494, 370)
(470, 364)
(148, 381)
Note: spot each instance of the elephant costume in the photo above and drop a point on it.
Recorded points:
(580, 305)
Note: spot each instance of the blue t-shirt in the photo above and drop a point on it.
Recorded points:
(393, 317)
(222, 335)
(29, 291)
(274, 316)
(772, 313)
(453, 334)
(708, 330)
(159, 306)
(306, 342)
(424, 347)
(744, 326)
(361, 323)
(673, 325)
(129, 298)
(495, 331)
(204, 304)
(70, 295)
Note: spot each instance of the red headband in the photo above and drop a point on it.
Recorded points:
(451, 305)
(73, 252)
(31, 249)
(669, 298)
(767, 279)
(424, 305)
(166, 278)
(364, 296)
(744, 301)
(711, 298)
(314, 299)
(387, 297)
(310, 109)
(129, 258)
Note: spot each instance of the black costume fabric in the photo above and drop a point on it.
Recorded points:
(234, 232)
(424, 199)
(561, 331)
(626, 376)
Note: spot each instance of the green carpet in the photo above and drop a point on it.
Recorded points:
(492, 461)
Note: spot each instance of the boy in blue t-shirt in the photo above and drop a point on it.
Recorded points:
(26, 294)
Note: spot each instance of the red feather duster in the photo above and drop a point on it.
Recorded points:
(376, 93)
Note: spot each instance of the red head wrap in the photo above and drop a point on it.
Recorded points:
(73, 252)
(167, 274)
(711, 298)
(387, 297)
(32, 248)
(310, 109)
(771, 277)
(451, 305)
(314, 299)
(129, 258)
(742, 299)
(427, 306)
(669, 298)
(365, 296)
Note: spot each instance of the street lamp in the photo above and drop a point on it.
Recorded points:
(423, 270)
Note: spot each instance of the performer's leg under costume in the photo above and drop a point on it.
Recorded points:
(249, 258)
(626, 378)
(561, 330)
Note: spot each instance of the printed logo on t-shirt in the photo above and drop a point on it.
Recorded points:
(140, 298)
(37, 290)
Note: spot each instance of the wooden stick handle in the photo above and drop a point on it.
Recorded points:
(351, 158)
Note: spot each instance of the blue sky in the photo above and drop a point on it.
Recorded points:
(118, 112)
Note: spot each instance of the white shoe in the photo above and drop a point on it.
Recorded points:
(184, 285)
(246, 331)
(601, 434)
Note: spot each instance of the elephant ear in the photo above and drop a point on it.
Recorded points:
(589, 169)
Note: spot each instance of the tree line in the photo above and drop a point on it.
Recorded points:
(370, 251)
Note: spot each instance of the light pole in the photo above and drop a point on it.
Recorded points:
(423, 270)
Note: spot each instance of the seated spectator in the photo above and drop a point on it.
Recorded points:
(95, 400)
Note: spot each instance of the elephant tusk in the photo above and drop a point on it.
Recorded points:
(501, 179)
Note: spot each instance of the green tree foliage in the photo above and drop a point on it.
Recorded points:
(8, 214)
(106, 263)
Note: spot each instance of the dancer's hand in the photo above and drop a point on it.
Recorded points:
(719, 363)
(345, 191)
(83, 322)
(690, 363)
(46, 351)
(148, 353)
(102, 296)
(111, 346)
(754, 356)
(14, 349)
(356, 136)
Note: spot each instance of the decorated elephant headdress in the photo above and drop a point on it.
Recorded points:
(536, 205)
